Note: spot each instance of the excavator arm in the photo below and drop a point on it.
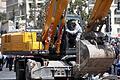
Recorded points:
(93, 50)
(100, 11)
(54, 12)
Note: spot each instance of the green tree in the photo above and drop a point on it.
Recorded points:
(80, 6)
(2, 16)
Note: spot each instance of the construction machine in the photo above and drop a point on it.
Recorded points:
(49, 58)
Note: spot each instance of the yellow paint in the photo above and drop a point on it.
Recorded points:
(20, 41)
(54, 11)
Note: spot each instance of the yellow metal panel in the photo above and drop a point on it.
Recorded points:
(5, 38)
(16, 38)
(21, 41)
(35, 46)
(6, 47)
(19, 37)
(22, 46)
(15, 47)
(29, 36)
(19, 47)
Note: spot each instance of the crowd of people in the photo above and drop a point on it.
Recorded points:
(115, 68)
(6, 61)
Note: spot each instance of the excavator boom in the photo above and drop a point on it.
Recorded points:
(53, 16)
(100, 11)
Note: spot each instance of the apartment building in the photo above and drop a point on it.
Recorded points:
(115, 16)
(20, 9)
(14, 8)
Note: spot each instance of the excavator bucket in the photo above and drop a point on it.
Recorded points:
(94, 59)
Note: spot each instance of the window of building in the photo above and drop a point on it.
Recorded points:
(23, 17)
(117, 20)
(30, 5)
(39, 5)
(118, 5)
(92, 1)
(116, 12)
(22, 11)
(118, 30)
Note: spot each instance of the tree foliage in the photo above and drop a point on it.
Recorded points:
(2, 16)
(80, 6)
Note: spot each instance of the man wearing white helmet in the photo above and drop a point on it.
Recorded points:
(76, 30)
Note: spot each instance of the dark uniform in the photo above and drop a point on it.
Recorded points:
(1, 62)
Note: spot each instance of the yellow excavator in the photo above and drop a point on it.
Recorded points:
(49, 58)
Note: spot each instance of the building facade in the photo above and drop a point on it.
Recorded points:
(3, 6)
(21, 12)
(115, 18)
(24, 11)
(13, 8)
(20, 9)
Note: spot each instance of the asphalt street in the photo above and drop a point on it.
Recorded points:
(5, 74)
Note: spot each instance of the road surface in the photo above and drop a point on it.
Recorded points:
(5, 74)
